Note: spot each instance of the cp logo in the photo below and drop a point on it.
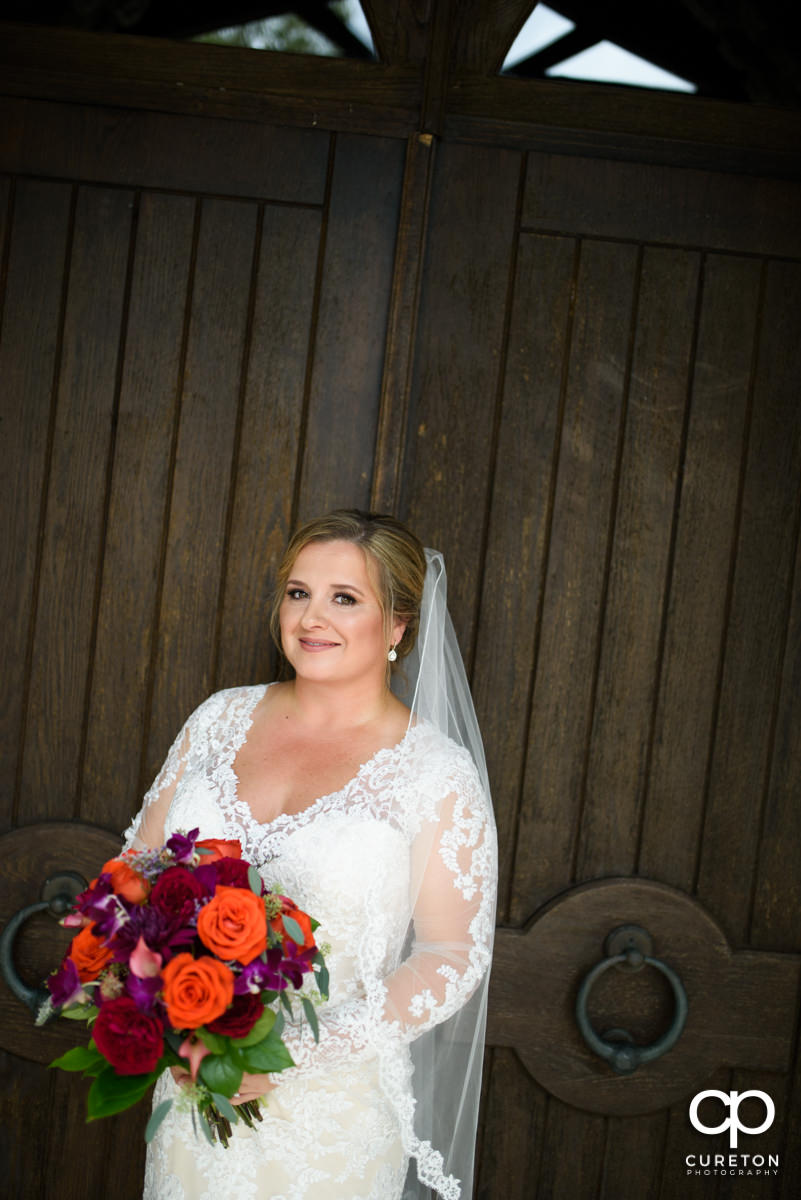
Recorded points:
(732, 1101)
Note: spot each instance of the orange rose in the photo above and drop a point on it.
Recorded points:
(290, 909)
(233, 924)
(196, 990)
(89, 954)
(220, 848)
(125, 881)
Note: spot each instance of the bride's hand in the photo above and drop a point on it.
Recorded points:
(180, 1075)
(252, 1087)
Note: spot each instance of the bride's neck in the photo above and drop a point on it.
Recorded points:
(320, 706)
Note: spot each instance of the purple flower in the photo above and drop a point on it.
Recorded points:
(103, 907)
(144, 992)
(182, 846)
(296, 962)
(65, 986)
(163, 932)
(258, 975)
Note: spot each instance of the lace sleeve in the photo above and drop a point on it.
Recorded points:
(147, 827)
(454, 879)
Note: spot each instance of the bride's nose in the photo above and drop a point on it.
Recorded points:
(313, 616)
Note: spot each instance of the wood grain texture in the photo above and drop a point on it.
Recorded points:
(639, 564)
(352, 323)
(37, 229)
(653, 203)
(756, 633)
(203, 469)
(458, 367)
(598, 356)
(517, 549)
(139, 497)
(270, 444)
(512, 1131)
(699, 584)
(634, 1150)
(74, 525)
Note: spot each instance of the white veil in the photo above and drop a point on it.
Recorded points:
(447, 1058)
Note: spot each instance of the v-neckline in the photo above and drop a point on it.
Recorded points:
(284, 818)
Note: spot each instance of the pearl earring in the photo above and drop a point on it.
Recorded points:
(392, 654)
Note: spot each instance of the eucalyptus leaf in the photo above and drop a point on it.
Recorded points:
(254, 880)
(278, 1027)
(156, 1117)
(311, 1016)
(293, 930)
(322, 981)
(286, 1003)
(80, 1012)
(225, 1107)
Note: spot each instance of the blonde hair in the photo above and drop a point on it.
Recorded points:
(394, 552)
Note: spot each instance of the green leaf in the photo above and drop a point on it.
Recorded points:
(225, 1107)
(314, 924)
(156, 1117)
(322, 981)
(268, 1055)
(221, 1073)
(286, 1003)
(111, 1093)
(214, 1042)
(293, 930)
(259, 1030)
(80, 1012)
(80, 1058)
(278, 1027)
(254, 880)
(311, 1016)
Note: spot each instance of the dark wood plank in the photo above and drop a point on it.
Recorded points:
(572, 1156)
(351, 327)
(25, 1105)
(634, 1149)
(137, 507)
(678, 1179)
(759, 612)
(30, 333)
(207, 80)
(458, 365)
(699, 584)
(76, 501)
(270, 447)
(402, 322)
(520, 520)
(512, 1131)
(749, 1185)
(658, 204)
(162, 150)
(622, 124)
(776, 918)
(187, 628)
(629, 658)
(597, 360)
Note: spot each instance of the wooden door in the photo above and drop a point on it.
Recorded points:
(565, 348)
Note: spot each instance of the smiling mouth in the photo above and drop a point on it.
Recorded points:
(311, 644)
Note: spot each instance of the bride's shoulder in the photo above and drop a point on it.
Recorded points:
(228, 702)
(438, 756)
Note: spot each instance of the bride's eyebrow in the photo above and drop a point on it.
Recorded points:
(348, 587)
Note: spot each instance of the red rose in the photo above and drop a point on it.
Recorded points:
(176, 892)
(232, 872)
(239, 1019)
(131, 1040)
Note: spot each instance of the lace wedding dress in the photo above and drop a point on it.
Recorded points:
(399, 868)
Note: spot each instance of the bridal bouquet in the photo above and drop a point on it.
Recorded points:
(183, 958)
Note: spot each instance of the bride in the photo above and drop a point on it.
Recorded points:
(358, 788)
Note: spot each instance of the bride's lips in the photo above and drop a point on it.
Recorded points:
(315, 645)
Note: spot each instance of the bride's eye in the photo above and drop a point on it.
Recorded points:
(295, 593)
(344, 598)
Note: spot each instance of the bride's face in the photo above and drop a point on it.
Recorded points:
(332, 626)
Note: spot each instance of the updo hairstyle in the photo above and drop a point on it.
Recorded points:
(393, 552)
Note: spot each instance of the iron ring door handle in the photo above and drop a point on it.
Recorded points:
(58, 893)
(617, 1046)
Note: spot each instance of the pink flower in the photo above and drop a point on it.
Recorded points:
(195, 1050)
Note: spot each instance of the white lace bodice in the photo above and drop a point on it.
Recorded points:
(399, 868)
